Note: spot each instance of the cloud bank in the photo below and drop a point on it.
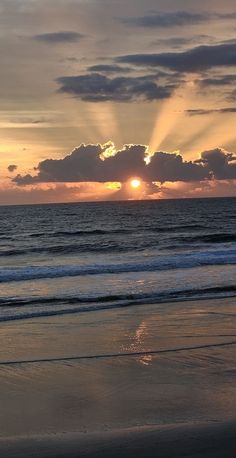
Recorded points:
(167, 20)
(96, 87)
(194, 60)
(225, 80)
(175, 19)
(162, 73)
(103, 163)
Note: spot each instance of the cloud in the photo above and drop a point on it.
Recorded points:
(219, 163)
(103, 68)
(103, 163)
(172, 167)
(11, 168)
(95, 87)
(193, 60)
(179, 42)
(86, 163)
(207, 188)
(224, 80)
(59, 37)
(54, 192)
(163, 20)
(62, 192)
(175, 19)
(204, 112)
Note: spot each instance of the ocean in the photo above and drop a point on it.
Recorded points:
(71, 258)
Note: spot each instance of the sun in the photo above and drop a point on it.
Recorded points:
(135, 183)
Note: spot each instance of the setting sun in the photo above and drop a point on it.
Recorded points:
(135, 183)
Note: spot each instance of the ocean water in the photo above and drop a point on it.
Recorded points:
(70, 258)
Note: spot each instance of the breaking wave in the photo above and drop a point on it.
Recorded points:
(159, 263)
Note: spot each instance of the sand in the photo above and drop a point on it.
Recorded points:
(153, 380)
(204, 440)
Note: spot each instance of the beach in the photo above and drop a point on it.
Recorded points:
(145, 380)
(117, 329)
(117, 229)
(206, 441)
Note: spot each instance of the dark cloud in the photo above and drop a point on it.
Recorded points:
(87, 163)
(59, 37)
(178, 18)
(224, 80)
(203, 112)
(172, 167)
(193, 60)
(12, 167)
(95, 87)
(179, 42)
(109, 69)
(219, 163)
(175, 19)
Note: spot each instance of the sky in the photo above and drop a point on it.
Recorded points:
(95, 93)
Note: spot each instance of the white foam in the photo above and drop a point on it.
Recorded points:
(158, 263)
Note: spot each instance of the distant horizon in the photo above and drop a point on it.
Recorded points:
(117, 201)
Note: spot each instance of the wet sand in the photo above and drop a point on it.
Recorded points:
(192, 441)
(153, 380)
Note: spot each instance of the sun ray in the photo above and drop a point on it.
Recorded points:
(172, 110)
(104, 117)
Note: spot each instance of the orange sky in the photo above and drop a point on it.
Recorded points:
(155, 73)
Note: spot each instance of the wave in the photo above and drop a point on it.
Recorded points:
(101, 232)
(97, 232)
(116, 245)
(209, 238)
(13, 309)
(5, 237)
(68, 249)
(181, 228)
(81, 233)
(19, 302)
(160, 263)
(116, 298)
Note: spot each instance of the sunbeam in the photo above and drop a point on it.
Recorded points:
(103, 116)
(170, 114)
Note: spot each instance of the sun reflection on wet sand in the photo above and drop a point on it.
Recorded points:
(137, 344)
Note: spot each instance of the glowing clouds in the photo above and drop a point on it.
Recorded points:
(104, 163)
(114, 185)
(109, 151)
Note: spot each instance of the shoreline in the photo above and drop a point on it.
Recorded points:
(210, 440)
(115, 306)
(115, 355)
